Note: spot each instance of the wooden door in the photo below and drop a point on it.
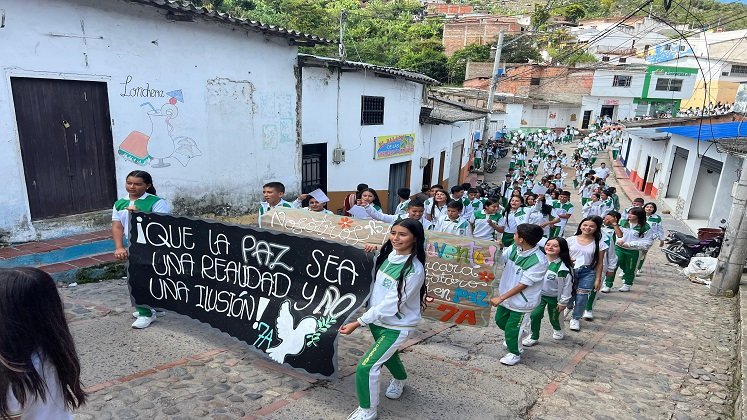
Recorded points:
(398, 178)
(66, 145)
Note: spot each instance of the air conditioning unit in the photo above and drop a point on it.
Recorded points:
(338, 155)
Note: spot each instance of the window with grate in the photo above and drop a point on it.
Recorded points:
(535, 81)
(605, 58)
(670, 85)
(622, 81)
(623, 60)
(735, 69)
(372, 110)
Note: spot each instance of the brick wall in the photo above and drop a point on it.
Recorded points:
(555, 83)
(475, 30)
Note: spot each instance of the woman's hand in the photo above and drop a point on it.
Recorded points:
(370, 248)
(120, 253)
(349, 328)
(496, 301)
(132, 208)
(561, 308)
(597, 284)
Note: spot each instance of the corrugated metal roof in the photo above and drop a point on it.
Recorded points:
(313, 60)
(181, 8)
(707, 132)
(445, 112)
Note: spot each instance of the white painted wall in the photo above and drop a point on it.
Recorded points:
(603, 79)
(402, 104)
(641, 148)
(625, 107)
(513, 116)
(239, 93)
(688, 85)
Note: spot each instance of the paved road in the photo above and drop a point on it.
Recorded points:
(664, 350)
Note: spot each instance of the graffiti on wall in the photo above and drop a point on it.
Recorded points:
(162, 143)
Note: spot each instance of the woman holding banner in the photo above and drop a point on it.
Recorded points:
(393, 313)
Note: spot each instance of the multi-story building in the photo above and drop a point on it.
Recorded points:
(478, 29)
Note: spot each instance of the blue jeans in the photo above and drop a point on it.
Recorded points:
(586, 278)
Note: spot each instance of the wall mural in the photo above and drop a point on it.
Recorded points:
(162, 142)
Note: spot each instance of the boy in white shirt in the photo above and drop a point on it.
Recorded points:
(520, 288)
(452, 222)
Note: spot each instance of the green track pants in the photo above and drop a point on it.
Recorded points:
(627, 260)
(539, 312)
(383, 352)
(511, 322)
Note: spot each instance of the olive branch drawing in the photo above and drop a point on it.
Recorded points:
(322, 325)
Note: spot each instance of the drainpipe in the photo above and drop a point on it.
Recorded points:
(734, 250)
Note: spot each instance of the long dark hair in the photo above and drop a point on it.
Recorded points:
(416, 228)
(145, 176)
(376, 201)
(640, 215)
(32, 323)
(508, 205)
(597, 237)
(433, 205)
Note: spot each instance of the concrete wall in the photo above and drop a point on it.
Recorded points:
(479, 30)
(238, 87)
(603, 80)
(402, 102)
(696, 195)
(624, 107)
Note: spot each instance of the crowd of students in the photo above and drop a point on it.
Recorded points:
(547, 270)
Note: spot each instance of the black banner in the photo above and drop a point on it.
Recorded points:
(284, 295)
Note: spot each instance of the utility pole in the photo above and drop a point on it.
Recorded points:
(341, 45)
(734, 249)
(493, 83)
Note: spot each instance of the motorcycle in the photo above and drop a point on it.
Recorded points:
(491, 165)
(681, 247)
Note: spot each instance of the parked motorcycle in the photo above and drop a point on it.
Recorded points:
(681, 247)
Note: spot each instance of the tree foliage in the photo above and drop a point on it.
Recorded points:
(519, 49)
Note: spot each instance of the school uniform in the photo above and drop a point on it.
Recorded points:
(514, 218)
(265, 207)
(391, 322)
(481, 228)
(402, 207)
(522, 267)
(658, 233)
(375, 214)
(628, 254)
(435, 211)
(456, 226)
(561, 210)
(147, 203)
(593, 208)
(557, 289)
(610, 263)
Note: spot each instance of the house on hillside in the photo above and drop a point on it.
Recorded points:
(93, 90)
(676, 163)
(477, 29)
(366, 123)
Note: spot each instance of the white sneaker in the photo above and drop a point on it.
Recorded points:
(558, 335)
(622, 273)
(529, 342)
(624, 288)
(567, 313)
(588, 315)
(143, 321)
(605, 289)
(395, 388)
(575, 325)
(505, 345)
(510, 359)
(639, 272)
(363, 414)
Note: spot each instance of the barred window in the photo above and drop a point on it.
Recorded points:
(534, 81)
(671, 85)
(735, 69)
(622, 81)
(372, 110)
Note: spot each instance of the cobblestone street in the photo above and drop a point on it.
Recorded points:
(665, 350)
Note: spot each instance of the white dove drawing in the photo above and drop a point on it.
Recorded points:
(292, 339)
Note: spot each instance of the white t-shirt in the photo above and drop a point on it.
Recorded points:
(36, 408)
(583, 254)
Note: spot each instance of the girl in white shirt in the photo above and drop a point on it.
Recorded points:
(38, 361)
(394, 310)
(437, 209)
(587, 251)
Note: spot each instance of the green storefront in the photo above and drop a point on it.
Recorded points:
(647, 106)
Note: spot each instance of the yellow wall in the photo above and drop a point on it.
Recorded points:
(719, 91)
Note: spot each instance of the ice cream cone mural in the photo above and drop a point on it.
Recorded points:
(161, 143)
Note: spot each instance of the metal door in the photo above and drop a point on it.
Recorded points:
(66, 145)
(397, 179)
(314, 167)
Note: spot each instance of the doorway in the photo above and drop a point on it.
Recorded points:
(427, 174)
(398, 178)
(455, 165)
(677, 172)
(642, 186)
(64, 129)
(585, 121)
(706, 185)
(441, 163)
(607, 110)
(314, 167)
